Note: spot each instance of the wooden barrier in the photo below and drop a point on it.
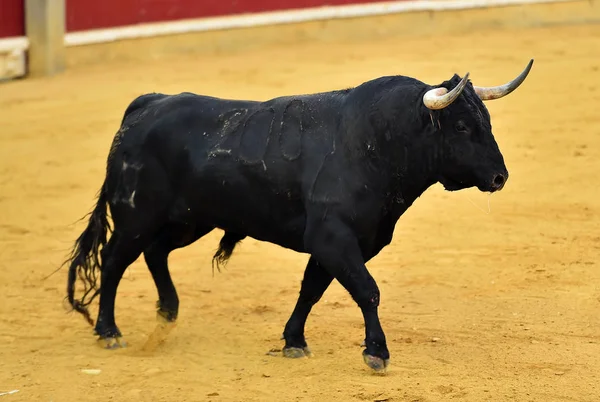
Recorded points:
(12, 51)
(87, 15)
(12, 18)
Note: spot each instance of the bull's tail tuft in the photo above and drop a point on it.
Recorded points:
(225, 250)
(85, 260)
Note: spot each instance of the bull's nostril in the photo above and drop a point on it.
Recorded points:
(499, 180)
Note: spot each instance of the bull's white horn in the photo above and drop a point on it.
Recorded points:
(489, 93)
(439, 98)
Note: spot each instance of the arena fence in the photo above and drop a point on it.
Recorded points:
(34, 34)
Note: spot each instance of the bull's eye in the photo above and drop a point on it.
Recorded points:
(461, 127)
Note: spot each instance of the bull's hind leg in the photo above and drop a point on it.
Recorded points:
(139, 200)
(120, 251)
(156, 255)
(171, 237)
(315, 283)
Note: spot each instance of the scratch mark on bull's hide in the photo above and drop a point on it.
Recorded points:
(255, 136)
(231, 120)
(292, 130)
(127, 180)
(134, 166)
(131, 200)
(230, 123)
(219, 151)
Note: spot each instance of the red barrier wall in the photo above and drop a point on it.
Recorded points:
(12, 18)
(91, 14)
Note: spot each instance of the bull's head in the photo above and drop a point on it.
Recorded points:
(470, 154)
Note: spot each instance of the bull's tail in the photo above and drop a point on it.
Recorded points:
(85, 260)
(225, 250)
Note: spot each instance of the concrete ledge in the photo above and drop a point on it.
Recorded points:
(12, 57)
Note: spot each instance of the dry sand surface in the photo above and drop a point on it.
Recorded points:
(477, 306)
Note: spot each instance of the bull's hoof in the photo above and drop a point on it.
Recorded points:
(169, 314)
(376, 363)
(296, 353)
(112, 342)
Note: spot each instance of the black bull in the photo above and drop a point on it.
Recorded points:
(326, 174)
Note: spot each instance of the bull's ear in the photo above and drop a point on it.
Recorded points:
(439, 98)
(489, 93)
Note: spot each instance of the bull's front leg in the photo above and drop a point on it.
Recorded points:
(336, 248)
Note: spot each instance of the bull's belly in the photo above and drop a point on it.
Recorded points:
(251, 210)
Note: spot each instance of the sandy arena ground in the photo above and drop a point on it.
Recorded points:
(477, 306)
